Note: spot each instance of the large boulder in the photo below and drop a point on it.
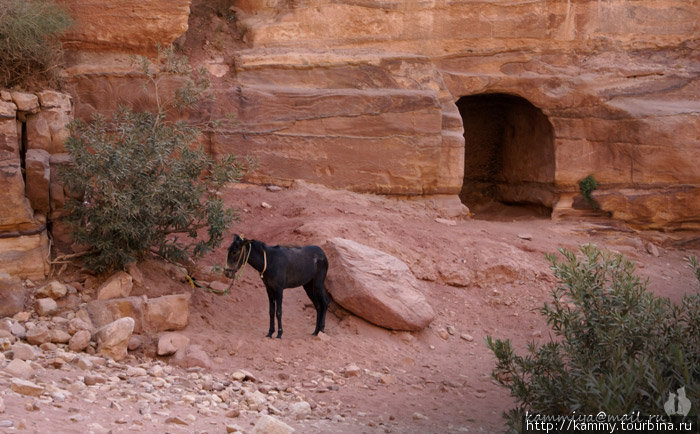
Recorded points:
(376, 286)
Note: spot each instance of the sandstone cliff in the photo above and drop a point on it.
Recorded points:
(375, 95)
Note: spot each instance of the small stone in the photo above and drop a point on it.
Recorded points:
(48, 346)
(352, 370)
(2, 405)
(24, 351)
(25, 387)
(234, 412)
(266, 205)
(267, 424)
(113, 338)
(176, 420)
(450, 329)
(446, 222)
(39, 334)
(135, 342)
(170, 343)
(59, 336)
(527, 237)
(232, 428)
(444, 335)
(467, 337)
(156, 371)
(18, 330)
(419, 416)
(274, 188)
(321, 336)
(31, 406)
(79, 341)
(53, 289)
(77, 324)
(133, 371)
(22, 316)
(46, 306)
(119, 285)
(652, 249)
(387, 379)
(91, 380)
(6, 423)
(20, 369)
(300, 409)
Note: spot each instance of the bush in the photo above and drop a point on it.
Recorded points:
(28, 41)
(586, 186)
(139, 182)
(138, 185)
(617, 347)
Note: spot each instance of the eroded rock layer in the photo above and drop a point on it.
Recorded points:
(365, 95)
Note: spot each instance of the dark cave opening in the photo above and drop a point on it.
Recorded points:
(508, 157)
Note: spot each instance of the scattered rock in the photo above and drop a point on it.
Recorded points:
(266, 205)
(176, 420)
(20, 369)
(352, 370)
(23, 351)
(79, 341)
(652, 249)
(446, 221)
(59, 336)
(53, 289)
(267, 424)
(77, 324)
(300, 409)
(376, 286)
(135, 342)
(18, 330)
(192, 356)
(170, 312)
(467, 337)
(527, 237)
(119, 285)
(38, 335)
(113, 339)
(25, 387)
(170, 343)
(46, 306)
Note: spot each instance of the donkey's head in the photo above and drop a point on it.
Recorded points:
(237, 255)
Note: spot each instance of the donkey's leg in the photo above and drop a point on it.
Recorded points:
(320, 291)
(271, 299)
(278, 300)
(310, 291)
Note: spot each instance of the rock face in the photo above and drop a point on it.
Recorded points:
(415, 96)
(32, 130)
(125, 25)
(375, 286)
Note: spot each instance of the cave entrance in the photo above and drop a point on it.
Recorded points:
(508, 157)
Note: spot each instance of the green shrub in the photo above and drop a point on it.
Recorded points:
(29, 43)
(616, 348)
(139, 181)
(139, 185)
(586, 186)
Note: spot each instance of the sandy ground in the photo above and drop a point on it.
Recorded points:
(486, 275)
(429, 381)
